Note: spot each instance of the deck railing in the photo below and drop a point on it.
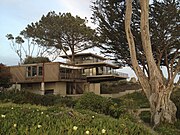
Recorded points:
(72, 76)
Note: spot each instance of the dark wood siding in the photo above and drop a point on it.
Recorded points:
(19, 74)
(51, 72)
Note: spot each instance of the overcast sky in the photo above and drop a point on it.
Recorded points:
(17, 14)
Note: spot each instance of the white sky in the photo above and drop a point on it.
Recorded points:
(17, 14)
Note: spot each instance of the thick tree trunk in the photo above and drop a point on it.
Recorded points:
(158, 93)
(162, 108)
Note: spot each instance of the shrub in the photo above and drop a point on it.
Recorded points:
(21, 97)
(93, 102)
(135, 100)
(145, 116)
(5, 76)
(98, 104)
(176, 99)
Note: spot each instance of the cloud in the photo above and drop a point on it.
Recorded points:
(77, 7)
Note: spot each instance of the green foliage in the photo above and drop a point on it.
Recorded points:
(164, 18)
(145, 116)
(175, 97)
(21, 97)
(61, 31)
(99, 104)
(135, 100)
(35, 120)
(93, 102)
(31, 60)
(5, 76)
(118, 86)
(167, 129)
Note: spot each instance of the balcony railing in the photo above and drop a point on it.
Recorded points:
(72, 76)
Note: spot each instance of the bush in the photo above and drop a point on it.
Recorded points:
(135, 100)
(175, 97)
(5, 76)
(21, 97)
(145, 116)
(93, 102)
(98, 104)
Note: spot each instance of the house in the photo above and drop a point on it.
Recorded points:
(66, 78)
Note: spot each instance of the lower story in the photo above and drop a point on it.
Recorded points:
(59, 88)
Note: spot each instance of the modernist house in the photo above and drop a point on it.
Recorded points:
(64, 78)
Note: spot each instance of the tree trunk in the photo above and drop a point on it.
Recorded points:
(157, 92)
(162, 108)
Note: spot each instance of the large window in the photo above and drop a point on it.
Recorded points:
(32, 71)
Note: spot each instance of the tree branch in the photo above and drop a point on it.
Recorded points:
(141, 76)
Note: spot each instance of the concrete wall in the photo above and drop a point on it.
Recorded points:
(92, 87)
(120, 94)
(60, 88)
(34, 88)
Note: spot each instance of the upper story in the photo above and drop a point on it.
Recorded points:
(88, 67)
(97, 68)
(46, 72)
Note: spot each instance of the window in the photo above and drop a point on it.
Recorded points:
(32, 71)
(40, 71)
(28, 71)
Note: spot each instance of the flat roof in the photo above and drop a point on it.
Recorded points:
(102, 78)
(86, 54)
(98, 64)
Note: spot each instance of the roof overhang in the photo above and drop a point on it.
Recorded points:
(97, 64)
(102, 78)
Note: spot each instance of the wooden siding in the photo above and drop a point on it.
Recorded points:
(19, 74)
(51, 72)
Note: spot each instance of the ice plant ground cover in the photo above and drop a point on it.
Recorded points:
(31, 119)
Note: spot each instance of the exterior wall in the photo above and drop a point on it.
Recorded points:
(51, 72)
(33, 87)
(15, 86)
(60, 88)
(18, 74)
(92, 87)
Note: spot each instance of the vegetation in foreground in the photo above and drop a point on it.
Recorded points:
(32, 119)
(90, 114)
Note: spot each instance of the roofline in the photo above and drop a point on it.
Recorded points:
(91, 54)
(98, 63)
(34, 64)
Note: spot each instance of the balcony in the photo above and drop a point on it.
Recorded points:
(107, 76)
(72, 76)
(68, 74)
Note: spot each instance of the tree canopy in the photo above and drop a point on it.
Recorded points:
(62, 31)
(26, 47)
(5, 76)
(145, 38)
(31, 60)
(164, 31)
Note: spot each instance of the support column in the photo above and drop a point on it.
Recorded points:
(42, 86)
